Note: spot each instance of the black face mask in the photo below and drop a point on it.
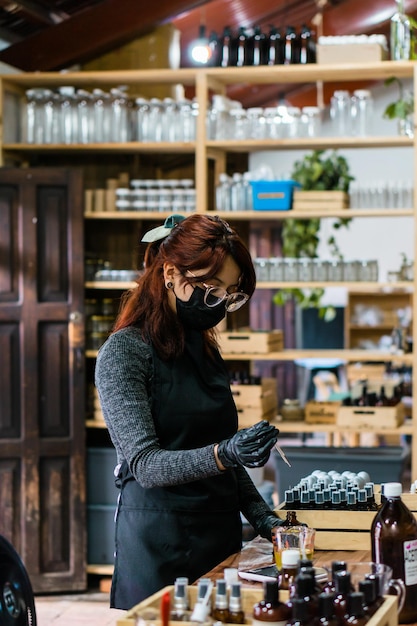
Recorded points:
(195, 314)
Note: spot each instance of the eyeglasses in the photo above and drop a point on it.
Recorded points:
(215, 295)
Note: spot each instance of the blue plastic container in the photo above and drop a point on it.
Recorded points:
(273, 195)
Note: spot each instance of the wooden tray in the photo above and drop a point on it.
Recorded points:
(343, 530)
(385, 616)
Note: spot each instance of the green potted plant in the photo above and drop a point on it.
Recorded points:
(318, 171)
(401, 109)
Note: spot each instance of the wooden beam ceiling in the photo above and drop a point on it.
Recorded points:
(92, 32)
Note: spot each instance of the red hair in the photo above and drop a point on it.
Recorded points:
(199, 241)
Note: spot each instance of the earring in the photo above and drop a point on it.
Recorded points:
(169, 285)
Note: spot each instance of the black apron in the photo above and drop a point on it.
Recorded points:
(185, 530)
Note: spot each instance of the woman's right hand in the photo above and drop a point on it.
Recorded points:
(250, 447)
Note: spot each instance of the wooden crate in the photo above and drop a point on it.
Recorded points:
(371, 416)
(323, 200)
(350, 53)
(321, 412)
(385, 616)
(256, 402)
(343, 530)
(259, 342)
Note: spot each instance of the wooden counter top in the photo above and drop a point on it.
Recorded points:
(258, 552)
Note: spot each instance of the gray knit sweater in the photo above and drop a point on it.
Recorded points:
(123, 378)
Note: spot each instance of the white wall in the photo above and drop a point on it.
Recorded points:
(383, 239)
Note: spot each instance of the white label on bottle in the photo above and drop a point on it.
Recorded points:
(258, 622)
(410, 562)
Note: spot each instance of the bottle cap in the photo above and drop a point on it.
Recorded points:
(392, 490)
(290, 557)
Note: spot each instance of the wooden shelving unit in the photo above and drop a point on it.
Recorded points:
(204, 155)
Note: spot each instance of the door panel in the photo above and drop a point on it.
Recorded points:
(42, 432)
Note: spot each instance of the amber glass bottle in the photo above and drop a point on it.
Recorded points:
(271, 610)
(394, 543)
(220, 612)
(236, 614)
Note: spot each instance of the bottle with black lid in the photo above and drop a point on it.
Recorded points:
(337, 566)
(271, 609)
(368, 588)
(355, 615)
(394, 543)
(305, 587)
(326, 615)
(343, 586)
(300, 613)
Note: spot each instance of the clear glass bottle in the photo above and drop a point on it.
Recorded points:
(394, 543)
(400, 34)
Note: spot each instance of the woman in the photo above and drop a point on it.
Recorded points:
(165, 396)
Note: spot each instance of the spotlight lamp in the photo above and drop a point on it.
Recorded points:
(200, 51)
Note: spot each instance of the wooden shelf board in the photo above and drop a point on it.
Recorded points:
(95, 423)
(254, 215)
(97, 148)
(350, 356)
(316, 143)
(364, 286)
(303, 427)
(109, 284)
(101, 570)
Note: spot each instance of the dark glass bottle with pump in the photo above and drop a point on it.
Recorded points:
(220, 611)
(236, 613)
(394, 543)
(271, 610)
(291, 46)
(258, 48)
(307, 46)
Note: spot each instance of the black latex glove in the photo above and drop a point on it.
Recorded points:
(250, 447)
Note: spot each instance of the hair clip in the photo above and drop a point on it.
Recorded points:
(162, 231)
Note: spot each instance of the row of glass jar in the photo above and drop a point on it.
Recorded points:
(381, 194)
(315, 270)
(351, 114)
(227, 119)
(78, 116)
(157, 195)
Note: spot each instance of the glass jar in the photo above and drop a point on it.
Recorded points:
(340, 114)
(362, 111)
(305, 270)
(310, 122)
(290, 270)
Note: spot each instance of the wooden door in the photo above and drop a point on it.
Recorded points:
(42, 432)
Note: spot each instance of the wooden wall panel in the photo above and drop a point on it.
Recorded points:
(10, 423)
(53, 379)
(9, 260)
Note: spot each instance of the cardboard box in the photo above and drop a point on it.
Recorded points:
(259, 342)
(273, 195)
(385, 616)
(321, 412)
(350, 53)
(323, 200)
(369, 417)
